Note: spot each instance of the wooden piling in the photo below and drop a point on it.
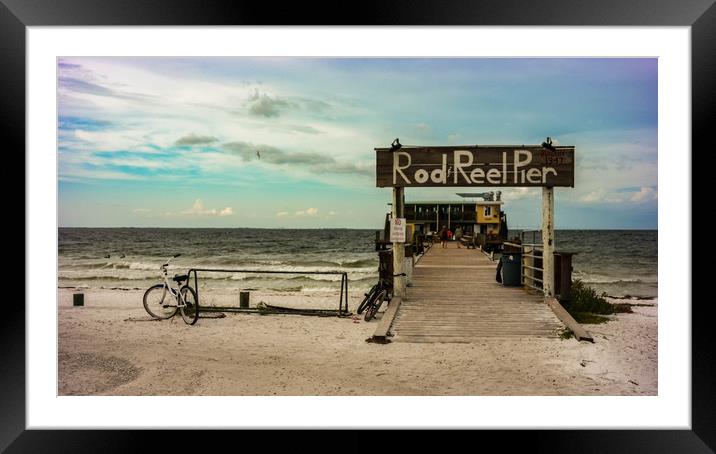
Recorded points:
(244, 299)
(548, 241)
(398, 248)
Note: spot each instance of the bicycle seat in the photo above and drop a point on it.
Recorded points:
(180, 277)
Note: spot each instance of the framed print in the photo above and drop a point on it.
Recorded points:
(433, 216)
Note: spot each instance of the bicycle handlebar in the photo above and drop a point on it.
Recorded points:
(170, 259)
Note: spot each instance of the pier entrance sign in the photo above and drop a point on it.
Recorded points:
(544, 166)
(493, 165)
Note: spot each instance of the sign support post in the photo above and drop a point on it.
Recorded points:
(398, 247)
(548, 241)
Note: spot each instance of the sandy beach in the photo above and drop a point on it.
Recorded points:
(110, 347)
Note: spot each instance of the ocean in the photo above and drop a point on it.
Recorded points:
(618, 262)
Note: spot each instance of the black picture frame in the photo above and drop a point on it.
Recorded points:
(700, 15)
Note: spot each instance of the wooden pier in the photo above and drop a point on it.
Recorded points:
(454, 297)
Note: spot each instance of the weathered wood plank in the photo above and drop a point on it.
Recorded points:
(388, 317)
(454, 298)
(579, 332)
(517, 165)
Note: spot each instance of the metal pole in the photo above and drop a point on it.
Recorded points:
(398, 248)
(340, 301)
(548, 241)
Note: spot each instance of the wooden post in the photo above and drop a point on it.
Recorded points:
(78, 299)
(398, 248)
(548, 241)
(244, 299)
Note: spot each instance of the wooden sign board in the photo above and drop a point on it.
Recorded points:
(511, 165)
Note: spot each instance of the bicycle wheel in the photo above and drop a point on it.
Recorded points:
(377, 302)
(368, 298)
(159, 302)
(190, 308)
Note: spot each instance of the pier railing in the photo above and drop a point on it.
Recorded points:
(342, 301)
(532, 269)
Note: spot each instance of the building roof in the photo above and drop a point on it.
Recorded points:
(452, 202)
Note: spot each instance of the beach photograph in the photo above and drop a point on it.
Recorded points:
(305, 226)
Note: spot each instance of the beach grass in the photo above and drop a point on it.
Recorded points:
(588, 307)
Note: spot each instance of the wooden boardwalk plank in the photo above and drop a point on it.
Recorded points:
(454, 298)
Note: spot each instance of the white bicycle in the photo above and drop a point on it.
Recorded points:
(162, 301)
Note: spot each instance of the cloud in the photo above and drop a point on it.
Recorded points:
(198, 209)
(306, 129)
(315, 105)
(307, 212)
(520, 193)
(317, 163)
(621, 195)
(602, 196)
(193, 139)
(74, 78)
(265, 106)
(645, 194)
(282, 214)
(64, 65)
(141, 210)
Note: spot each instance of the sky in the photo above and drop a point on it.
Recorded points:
(288, 142)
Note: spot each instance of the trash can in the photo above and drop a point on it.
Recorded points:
(511, 264)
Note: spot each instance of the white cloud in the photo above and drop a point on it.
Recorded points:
(141, 210)
(600, 195)
(644, 194)
(520, 193)
(593, 197)
(198, 209)
(307, 212)
(282, 213)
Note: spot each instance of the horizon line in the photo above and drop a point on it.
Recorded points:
(327, 228)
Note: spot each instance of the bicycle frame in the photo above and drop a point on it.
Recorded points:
(176, 293)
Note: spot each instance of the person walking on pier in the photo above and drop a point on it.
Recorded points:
(444, 236)
(458, 236)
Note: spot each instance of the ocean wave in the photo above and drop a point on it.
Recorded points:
(362, 265)
(67, 277)
(618, 281)
(603, 279)
(634, 299)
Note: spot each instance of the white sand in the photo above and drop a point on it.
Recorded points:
(101, 353)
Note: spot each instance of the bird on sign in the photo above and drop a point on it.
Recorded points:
(396, 145)
(548, 144)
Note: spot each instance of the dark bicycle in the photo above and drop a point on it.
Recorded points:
(379, 293)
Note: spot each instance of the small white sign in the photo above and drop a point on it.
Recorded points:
(397, 230)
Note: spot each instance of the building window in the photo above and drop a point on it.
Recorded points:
(488, 212)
